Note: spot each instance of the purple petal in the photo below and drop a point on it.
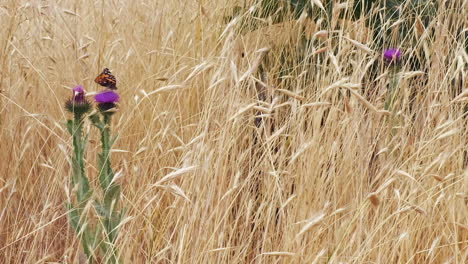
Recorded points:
(78, 89)
(392, 54)
(107, 97)
(78, 94)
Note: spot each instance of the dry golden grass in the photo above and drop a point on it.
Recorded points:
(328, 177)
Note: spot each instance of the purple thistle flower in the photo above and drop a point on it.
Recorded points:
(392, 55)
(78, 103)
(79, 89)
(107, 97)
(107, 100)
(79, 94)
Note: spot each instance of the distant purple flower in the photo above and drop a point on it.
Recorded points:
(107, 97)
(78, 103)
(107, 100)
(392, 55)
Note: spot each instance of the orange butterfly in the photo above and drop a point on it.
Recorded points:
(106, 79)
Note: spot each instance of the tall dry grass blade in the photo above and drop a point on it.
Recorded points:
(243, 110)
(278, 253)
(319, 256)
(167, 88)
(360, 46)
(291, 94)
(368, 104)
(171, 176)
(300, 151)
(311, 223)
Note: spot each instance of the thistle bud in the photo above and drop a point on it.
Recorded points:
(78, 103)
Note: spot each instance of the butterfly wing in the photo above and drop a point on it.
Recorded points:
(106, 79)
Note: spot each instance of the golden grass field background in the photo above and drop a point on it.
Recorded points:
(328, 177)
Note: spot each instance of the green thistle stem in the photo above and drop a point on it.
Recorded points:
(105, 173)
(108, 209)
(80, 181)
(392, 91)
(79, 163)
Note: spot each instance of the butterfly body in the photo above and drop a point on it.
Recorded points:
(106, 79)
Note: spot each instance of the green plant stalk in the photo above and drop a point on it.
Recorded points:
(392, 91)
(108, 209)
(80, 183)
(79, 173)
